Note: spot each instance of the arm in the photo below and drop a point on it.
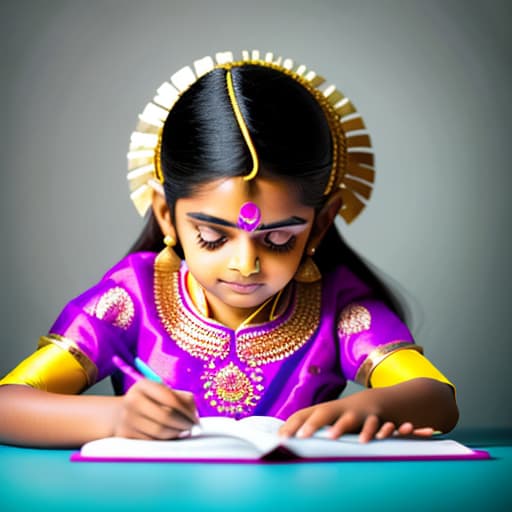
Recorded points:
(414, 404)
(406, 392)
(32, 417)
(40, 405)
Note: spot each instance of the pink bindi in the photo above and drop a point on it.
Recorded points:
(249, 217)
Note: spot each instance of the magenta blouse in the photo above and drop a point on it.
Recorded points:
(326, 336)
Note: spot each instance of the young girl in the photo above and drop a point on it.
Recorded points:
(240, 293)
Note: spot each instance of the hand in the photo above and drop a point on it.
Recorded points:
(356, 413)
(151, 410)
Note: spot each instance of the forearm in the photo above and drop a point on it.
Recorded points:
(32, 417)
(423, 402)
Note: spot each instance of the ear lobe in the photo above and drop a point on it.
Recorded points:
(163, 214)
(324, 218)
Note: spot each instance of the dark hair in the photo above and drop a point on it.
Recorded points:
(202, 141)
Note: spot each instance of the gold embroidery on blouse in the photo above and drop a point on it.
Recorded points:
(354, 319)
(377, 355)
(231, 390)
(191, 335)
(115, 306)
(263, 346)
(71, 346)
(255, 346)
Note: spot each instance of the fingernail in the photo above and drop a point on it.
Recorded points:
(302, 432)
(185, 433)
(331, 434)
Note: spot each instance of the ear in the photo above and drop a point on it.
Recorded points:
(163, 215)
(323, 221)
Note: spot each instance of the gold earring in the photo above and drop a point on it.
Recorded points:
(167, 259)
(308, 272)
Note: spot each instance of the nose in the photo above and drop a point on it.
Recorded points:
(244, 258)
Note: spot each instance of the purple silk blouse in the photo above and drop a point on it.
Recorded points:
(329, 333)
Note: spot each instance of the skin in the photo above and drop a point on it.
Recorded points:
(239, 271)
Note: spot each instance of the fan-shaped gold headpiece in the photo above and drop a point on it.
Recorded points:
(353, 163)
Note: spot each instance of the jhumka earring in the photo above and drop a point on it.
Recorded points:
(167, 259)
(308, 272)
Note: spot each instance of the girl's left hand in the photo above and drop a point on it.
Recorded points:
(354, 413)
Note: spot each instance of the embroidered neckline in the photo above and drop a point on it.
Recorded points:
(255, 344)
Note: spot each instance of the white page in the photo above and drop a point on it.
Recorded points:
(260, 431)
(253, 437)
(191, 448)
(349, 446)
(215, 438)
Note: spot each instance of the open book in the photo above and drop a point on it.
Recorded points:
(255, 439)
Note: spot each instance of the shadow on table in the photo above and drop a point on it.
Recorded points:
(482, 437)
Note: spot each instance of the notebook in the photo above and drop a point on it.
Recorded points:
(255, 439)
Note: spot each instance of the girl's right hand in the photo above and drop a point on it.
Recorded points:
(151, 410)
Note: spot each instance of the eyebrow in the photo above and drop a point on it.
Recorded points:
(291, 221)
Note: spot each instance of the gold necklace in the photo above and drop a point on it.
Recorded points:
(198, 297)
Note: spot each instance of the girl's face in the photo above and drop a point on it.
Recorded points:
(237, 268)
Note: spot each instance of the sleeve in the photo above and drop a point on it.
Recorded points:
(78, 349)
(377, 349)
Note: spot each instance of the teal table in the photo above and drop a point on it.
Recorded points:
(35, 480)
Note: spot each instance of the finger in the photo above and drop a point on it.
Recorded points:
(386, 430)
(181, 403)
(347, 422)
(405, 429)
(159, 405)
(423, 432)
(136, 421)
(145, 428)
(187, 405)
(293, 423)
(164, 415)
(320, 417)
(370, 427)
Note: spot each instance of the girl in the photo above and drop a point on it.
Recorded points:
(253, 305)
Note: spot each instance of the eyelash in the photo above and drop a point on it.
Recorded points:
(210, 245)
(281, 248)
(215, 244)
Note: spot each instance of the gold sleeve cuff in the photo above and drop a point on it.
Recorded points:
(403, 365)
(57, 366)
(377, 355)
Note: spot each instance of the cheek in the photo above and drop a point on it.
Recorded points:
(282, 264)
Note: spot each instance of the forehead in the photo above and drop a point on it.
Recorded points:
(277, 199)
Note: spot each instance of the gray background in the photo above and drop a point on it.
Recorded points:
(432, 79)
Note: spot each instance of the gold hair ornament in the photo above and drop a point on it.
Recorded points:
(352, 170)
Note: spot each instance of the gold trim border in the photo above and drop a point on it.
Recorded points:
(71, 346)
(377, 355)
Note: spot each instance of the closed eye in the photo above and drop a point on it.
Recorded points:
(280, 241)
(209, 238)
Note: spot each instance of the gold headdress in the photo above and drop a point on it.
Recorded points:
(353, 163)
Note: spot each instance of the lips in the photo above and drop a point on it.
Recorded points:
(242, 288)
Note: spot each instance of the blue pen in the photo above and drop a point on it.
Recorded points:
(144, 370)
(150, 374)
(147, 371)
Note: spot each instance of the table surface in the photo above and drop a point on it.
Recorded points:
(36, 479)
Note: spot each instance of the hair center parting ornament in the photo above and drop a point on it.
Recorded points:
(352, 170)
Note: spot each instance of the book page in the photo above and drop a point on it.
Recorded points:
(254, 438)
(208, 447)
(215, 438)
(259, 431)
(349, 446)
